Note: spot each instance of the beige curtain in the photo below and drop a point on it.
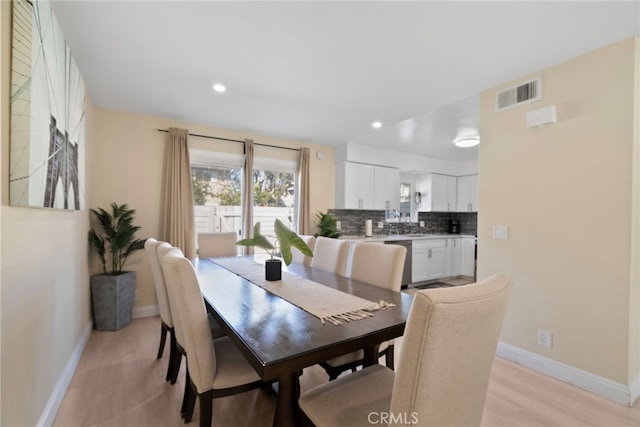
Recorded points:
(247, 195)
(302, 194)
(178, 224)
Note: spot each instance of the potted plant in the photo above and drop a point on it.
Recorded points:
(285, 239)
(113, 291)
(328, 226)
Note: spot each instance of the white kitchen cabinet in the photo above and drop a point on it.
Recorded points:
(386, 183)
(363, 186)
(354, 186)
(454, 253)
(438, 192)
(467, 199)
(467, 256)
(429, 259)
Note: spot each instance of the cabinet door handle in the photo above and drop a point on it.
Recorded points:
(454, 243)
(429, 253)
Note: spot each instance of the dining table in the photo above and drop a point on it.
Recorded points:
(280, 339)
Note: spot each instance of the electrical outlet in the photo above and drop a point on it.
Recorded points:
(339, 225)
(380, 224)
(421, 223)
(544, 338)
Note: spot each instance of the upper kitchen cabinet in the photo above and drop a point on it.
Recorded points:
(362, 186)
(354, 186)
(467, 200)
(386, 188)
(438, 192)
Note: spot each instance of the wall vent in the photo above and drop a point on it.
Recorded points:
(523, 93)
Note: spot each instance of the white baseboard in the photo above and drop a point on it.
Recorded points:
(617, 392)
(55, 399)
(145, 311)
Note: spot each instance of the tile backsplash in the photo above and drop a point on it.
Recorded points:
(352, 222)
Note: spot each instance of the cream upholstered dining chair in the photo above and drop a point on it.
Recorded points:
(442, 374)
(178, 346)
(298, 256)
(380, 265)
(330, 255)
(211, 245)
(215, 367)
(166, 321)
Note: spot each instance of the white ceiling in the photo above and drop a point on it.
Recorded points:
(324, 71)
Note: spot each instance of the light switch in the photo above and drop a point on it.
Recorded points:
(500, 232)
(380, 224)
(339, 225)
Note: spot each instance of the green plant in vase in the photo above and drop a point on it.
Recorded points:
(285, 239)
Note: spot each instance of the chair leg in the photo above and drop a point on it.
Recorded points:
(176, 366)
(163, 337)
(173, 354)
(185, 399)
(389, 356)
(206, 408)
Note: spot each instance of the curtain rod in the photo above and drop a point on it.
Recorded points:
(234, 140)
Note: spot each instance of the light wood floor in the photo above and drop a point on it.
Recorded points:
(120, 383)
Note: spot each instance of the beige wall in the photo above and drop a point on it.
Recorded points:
(565, 192)
(128, 168)
(44, 282)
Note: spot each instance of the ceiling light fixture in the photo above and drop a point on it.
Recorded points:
(219, 88)
(376, 125)
(466, 142)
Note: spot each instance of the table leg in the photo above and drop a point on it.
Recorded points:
(371, 355)
(287, 410)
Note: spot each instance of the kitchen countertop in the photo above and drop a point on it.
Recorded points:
(411, 236)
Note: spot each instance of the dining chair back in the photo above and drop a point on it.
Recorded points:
(209, 376)
(212, 245)
(297, 256)
(448, 350)
(380, 265)
(330, 255)
(444, 365)
(166, 321)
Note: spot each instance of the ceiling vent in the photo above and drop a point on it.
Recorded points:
(518, 95)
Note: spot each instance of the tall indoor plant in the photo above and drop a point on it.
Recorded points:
(113, 291)
(285, 240)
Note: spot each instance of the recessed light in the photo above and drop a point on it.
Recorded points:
(466, 142)
(376, 125)
(218, 87)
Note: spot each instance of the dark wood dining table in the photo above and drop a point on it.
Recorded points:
(279, 339)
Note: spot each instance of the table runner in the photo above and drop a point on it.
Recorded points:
(321, 301)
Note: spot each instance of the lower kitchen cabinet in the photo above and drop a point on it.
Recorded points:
(429, 259)
(468, 256)
(434, 259)
(454, 257)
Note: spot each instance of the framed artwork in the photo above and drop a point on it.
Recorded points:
(47, 113)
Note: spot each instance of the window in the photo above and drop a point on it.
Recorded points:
(217, 192)
(273, 194)
(216, 180)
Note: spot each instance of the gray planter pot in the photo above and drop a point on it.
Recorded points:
(112, 298)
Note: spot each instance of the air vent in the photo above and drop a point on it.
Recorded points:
(518, 95)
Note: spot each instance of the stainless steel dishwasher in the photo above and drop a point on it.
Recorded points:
(406, 273)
